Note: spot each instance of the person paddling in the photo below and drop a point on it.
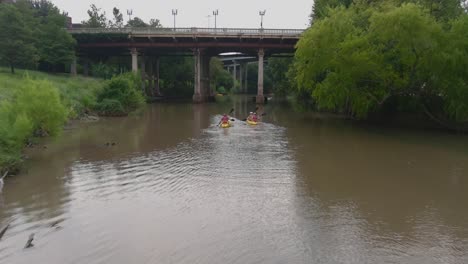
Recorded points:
(225, 119)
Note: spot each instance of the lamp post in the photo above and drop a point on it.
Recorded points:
(215, 14)
(261, 13)
(129, 13)
(208, 16)
(174, 13)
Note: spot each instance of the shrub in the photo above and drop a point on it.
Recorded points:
(110, 107)
(124, 89)
(40, 102)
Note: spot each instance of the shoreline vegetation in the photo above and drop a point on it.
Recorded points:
(35, 105)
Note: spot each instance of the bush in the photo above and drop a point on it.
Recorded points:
(221, 90)
(110, 107)
(40, 102)
(34, 107)
(124, 89)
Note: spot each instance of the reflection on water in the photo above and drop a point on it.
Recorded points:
(174, 188)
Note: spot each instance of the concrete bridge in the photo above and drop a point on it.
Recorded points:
(146, 45)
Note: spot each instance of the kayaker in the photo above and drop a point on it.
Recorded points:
(254, 117)
(225, 119)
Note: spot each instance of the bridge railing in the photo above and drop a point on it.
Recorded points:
(190, 31)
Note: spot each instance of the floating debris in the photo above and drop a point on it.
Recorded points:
(4, 230)
(30, 240)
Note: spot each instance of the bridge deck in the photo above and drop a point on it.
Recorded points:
(194, 32)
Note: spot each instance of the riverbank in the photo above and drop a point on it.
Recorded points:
(35, 104)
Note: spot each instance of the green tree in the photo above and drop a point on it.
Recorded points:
(321, 8)
(97, 18)
(55, 45)
(277, 72)
(16, 48)
(219, 76)
(117, 21)
(155, 23)
(353, 60)
(136, 22)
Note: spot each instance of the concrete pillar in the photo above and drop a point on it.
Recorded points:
(73, 67)
(150, 75)
(197, 96)
(206, 85)
(86, 67)
(202, 91)
(234, 74)
(156, 81)
(260, 97)
(134, 53)
(143, 74)
(241, 73)
(245, 77)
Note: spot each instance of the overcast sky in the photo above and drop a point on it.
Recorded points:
(193, 13)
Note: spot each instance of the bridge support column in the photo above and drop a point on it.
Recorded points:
(143, 74)
(150, 76)
(246, 89)
(234, 74)
(73, 67)
(197, 95)
(86, 67)
(202, 91)
(134, 53)
(242, 76)
(156, 80)
(260, 97)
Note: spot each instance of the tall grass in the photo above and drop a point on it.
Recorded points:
(34, 103)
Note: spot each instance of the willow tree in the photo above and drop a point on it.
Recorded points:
(357, 58)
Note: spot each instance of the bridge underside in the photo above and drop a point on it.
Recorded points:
(146, 49)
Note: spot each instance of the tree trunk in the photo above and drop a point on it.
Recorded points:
(12, 68)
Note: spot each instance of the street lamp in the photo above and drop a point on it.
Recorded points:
(215, 14)
(261, 13)
(129, 13)
(174, 13)
(208, 16)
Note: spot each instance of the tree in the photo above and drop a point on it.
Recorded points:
(117, 20)
(155, 23)
(321, 8)
(137, 22)
(16, 45)
(96, 18)
(56, 46)
(277, 70)
(219, 76)
(352, 60)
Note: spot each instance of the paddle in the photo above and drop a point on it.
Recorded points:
(230, 112)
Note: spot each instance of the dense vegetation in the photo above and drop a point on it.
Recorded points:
(33, 35)
(34, 104)
(360, 58)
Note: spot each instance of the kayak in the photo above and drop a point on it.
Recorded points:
(250, 122)
(226, 125)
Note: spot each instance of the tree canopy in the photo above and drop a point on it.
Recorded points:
(351, 59)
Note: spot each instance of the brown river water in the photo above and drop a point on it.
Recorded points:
(298, 188)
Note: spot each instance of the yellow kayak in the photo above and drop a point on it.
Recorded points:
(226, 125)
(250, 122)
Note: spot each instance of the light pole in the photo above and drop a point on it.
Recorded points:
(215, 14)
(261, 13)
(208, 16)
(129, 13)
(174, 13)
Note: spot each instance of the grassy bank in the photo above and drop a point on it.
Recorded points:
(35, 104)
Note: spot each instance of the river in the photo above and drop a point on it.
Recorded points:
(298, 188)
